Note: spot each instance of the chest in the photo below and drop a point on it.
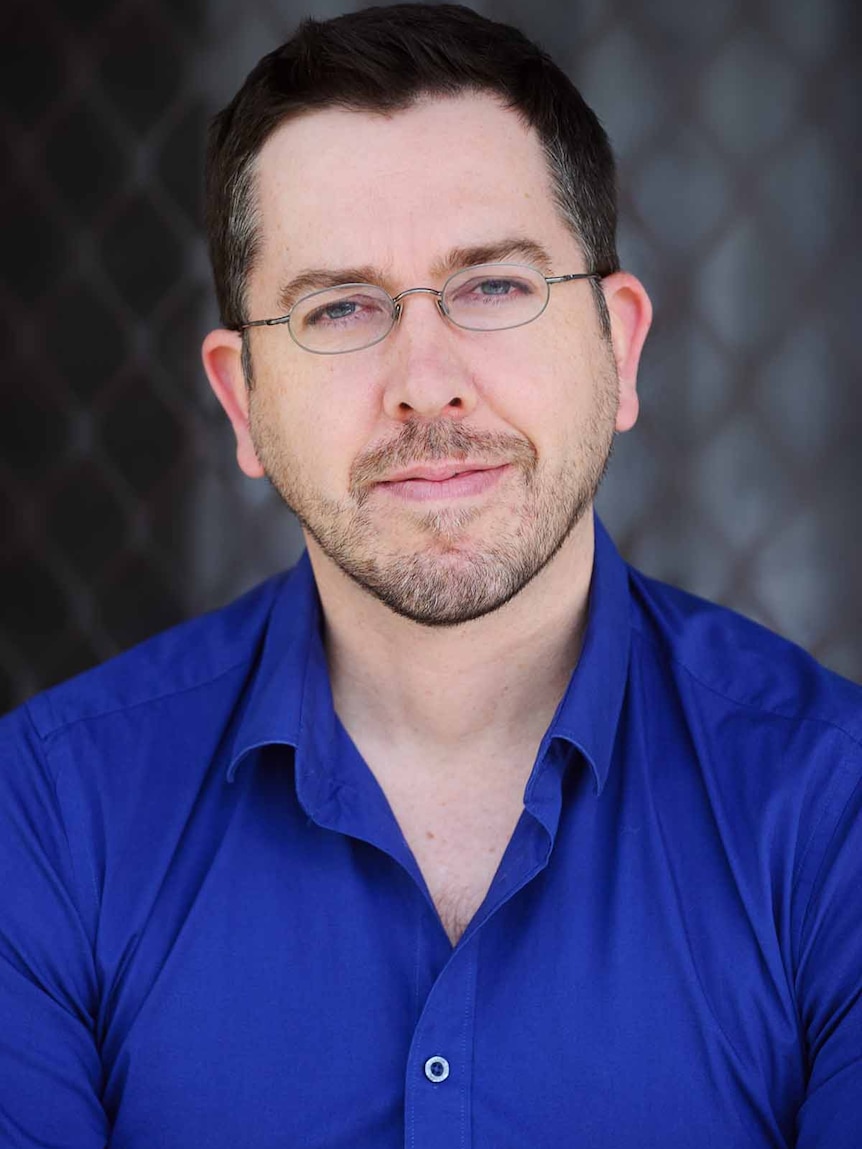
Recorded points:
(458, 837)
(298, 994)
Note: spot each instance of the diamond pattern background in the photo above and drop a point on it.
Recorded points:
(737, 128)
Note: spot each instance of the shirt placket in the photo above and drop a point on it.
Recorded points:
(439, 1072)
(438, 1094)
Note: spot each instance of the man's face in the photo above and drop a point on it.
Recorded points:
(442, 468)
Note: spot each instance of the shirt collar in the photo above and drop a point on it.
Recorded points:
(589, 712)
(291, 678)
(274, 709)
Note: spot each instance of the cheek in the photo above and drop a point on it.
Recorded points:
(570, 404)
(303, 428)
(540, 390)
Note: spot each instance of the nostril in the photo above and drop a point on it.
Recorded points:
(456, 402)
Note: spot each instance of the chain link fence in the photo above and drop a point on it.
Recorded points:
(737, 129)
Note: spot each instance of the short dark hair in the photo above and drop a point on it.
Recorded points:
(383, 60)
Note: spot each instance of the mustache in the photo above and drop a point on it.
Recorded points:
(419, 443)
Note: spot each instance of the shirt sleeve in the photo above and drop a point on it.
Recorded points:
(829, 978)
(50, 1072)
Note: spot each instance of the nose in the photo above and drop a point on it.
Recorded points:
(428, 372)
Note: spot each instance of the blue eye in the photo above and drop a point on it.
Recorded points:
(341, 310)
(496, 286)
(347, 311)
(494, 291)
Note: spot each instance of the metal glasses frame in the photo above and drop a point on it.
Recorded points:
(550, 280)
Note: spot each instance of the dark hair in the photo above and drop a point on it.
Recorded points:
(382, 60)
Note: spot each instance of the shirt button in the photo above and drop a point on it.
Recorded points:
(436, 1069)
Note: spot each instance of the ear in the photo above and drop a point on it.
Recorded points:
(631, 315)
(222, 357)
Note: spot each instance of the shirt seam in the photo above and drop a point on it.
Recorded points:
(46, 737)
(816, 877)
(49, 740)
(69, 859)
(829, 791)
(748, 705)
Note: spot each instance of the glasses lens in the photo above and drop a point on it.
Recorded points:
(495, 296)
(344, 318)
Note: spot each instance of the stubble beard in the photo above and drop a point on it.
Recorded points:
(450, 576)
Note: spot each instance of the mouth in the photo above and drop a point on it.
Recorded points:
(443, 481)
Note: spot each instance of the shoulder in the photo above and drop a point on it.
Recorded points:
(749, 727)
(190, 657)
(773, 737)
(741, 666)
(116, 760)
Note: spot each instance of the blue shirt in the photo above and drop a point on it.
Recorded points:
(214, 936)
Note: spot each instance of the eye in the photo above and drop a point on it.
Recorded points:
(343, 311)
(497, 286)
(491, 290)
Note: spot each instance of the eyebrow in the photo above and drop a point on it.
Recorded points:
(518, 250)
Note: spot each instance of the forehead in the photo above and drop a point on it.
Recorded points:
(344, 187)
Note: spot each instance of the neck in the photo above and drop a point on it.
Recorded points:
(465, 692)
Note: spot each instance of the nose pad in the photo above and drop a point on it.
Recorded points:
(427, 376)
(438, 299)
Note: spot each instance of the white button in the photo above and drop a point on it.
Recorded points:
(436, 1069)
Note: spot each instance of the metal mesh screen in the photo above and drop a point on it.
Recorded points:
(737, 130)
(103, 293)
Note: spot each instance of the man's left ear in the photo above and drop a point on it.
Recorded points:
(631, 315)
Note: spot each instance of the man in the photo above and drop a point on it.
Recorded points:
(462, 833)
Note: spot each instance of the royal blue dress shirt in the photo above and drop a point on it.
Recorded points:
(214, 936)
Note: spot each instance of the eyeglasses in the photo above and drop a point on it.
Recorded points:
(353, 316)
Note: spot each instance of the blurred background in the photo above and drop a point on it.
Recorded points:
(737, 127)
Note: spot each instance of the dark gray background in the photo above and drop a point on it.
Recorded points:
(737, 127)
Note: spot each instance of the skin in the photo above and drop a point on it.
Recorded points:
(446, 689)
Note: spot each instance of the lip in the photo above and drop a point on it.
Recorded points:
(443, 481)
(438, 472)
